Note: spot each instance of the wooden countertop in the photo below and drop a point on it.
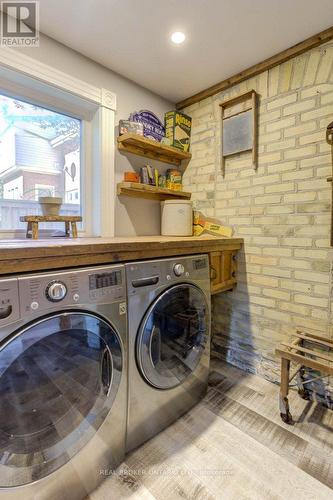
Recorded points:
(18, 256)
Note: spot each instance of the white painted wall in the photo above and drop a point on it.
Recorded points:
(133, 216)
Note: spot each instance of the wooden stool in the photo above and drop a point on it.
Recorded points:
(307, 357)
(33, 220)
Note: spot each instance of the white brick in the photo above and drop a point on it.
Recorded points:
(311, 138)
(282, 167)
(266, 200)
(312, 184)
(300, 197)
(316, 90)
(309, 276)
(300, 152)
(311, 301)
(311, 254)
(317, 113)
(303, 173)
(268, 138)
(280, 124)
(279, 251)
(300, 129)
(295, 263)
(282, 101)
(267, 261)
(311, 69)
(269, 116)
(285, 144)
(277, 294)
(280, 188)
(294, 308)
(295, 286)
(266, 179)
(297, 242)
(316, 160)
(277, 271)
(298, 107)
(327, 98)
(281, 209)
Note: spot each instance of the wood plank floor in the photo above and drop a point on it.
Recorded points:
(233, 446)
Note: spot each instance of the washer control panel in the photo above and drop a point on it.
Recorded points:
(100, 285)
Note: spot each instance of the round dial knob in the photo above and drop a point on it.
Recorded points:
(56, 291)
(178, 269)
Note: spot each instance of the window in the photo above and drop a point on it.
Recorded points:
(88, 171)
(40, 155)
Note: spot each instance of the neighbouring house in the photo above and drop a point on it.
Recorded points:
(33, 162)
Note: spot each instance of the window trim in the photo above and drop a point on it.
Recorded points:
(28, 79)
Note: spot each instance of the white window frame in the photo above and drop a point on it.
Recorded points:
(25, 78)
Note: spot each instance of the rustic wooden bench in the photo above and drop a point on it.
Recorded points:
(33, 221)
(318, 355)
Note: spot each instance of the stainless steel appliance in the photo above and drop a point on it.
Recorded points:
(169, 342)
(63, 381)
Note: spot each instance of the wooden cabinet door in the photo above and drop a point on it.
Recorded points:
(223, 270)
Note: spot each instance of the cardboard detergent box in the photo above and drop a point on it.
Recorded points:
(178, 129)
(210, 225)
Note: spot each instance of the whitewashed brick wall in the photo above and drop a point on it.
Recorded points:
(282, 210)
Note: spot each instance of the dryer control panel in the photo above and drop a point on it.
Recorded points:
(151, 274)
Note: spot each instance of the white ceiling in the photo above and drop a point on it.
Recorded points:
(224, 37)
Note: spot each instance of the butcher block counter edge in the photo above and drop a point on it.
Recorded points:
(19, 256)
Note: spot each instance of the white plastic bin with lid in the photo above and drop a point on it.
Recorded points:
(176, 218)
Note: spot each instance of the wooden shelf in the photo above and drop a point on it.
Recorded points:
(151, 192)
(139, 145)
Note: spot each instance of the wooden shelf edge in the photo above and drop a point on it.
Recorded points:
(139, 145)
(138, 190)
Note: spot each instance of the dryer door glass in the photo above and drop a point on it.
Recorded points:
(173, 336)
(58, 380)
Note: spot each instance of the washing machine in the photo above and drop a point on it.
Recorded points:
(63, 381)
(169, 342)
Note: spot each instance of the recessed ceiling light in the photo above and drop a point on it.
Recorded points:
(178, 37)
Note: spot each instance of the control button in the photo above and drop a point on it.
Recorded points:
(34, 306)
(56, 291)
(168, 277)
(187, 274)
(178, 269)
(76, 297)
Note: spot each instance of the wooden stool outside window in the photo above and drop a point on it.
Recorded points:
(33, 221)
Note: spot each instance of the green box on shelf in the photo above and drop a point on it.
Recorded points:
(178, 129)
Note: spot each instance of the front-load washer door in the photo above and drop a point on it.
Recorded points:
(58, 379)
(173, 336)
